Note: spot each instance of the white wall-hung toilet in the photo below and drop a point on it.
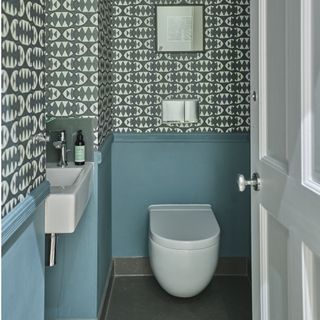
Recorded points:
(183, 247)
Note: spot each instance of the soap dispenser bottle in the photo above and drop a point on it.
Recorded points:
(79, 150)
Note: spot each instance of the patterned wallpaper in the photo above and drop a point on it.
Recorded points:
(88, 74)
(77, 61)
(72, 57)
(104, 73)
(219, 77)
(23, 114)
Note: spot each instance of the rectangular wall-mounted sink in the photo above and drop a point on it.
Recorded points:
(70, 191)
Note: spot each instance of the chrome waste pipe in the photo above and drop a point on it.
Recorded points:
(52, 250)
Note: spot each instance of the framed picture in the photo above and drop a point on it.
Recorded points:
(180, 28)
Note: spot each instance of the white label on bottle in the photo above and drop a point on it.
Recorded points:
(79, 153)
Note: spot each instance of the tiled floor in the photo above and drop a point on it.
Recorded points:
(141, 298)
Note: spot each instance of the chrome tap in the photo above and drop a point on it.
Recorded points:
(62, 146)
(42, 137)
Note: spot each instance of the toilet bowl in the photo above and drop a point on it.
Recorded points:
(183, 247)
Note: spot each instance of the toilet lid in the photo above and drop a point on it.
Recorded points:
(183, 227)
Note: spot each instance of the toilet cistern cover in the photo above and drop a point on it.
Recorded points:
(183, 227)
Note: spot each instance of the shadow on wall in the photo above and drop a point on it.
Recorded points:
(71, 126)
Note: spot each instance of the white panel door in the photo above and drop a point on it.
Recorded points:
(285, 138)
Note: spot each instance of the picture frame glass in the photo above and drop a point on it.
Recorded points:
(180, 28)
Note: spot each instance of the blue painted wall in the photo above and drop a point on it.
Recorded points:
(23, 270)
(154, 169)
(104, 216)
(75, 286)
(71, 285)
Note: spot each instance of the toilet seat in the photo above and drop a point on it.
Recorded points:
(183, 227)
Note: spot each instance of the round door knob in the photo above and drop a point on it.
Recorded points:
(255, 182)
(254, 96)
(241, 182)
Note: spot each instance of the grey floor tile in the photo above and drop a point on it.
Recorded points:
(141, 298)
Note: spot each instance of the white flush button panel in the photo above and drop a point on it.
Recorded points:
(173, 111)
(180, 111)
(191, 110)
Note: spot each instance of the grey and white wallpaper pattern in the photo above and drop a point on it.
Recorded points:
(23, 101)
(72, 58)
(104, 73)
(120, 81)
(218, 78)
(78, 61)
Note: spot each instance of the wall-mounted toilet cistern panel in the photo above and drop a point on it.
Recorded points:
(183, 247)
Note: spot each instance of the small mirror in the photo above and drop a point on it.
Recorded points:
(180, 28)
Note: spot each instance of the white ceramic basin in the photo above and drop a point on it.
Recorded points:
(70, 191)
